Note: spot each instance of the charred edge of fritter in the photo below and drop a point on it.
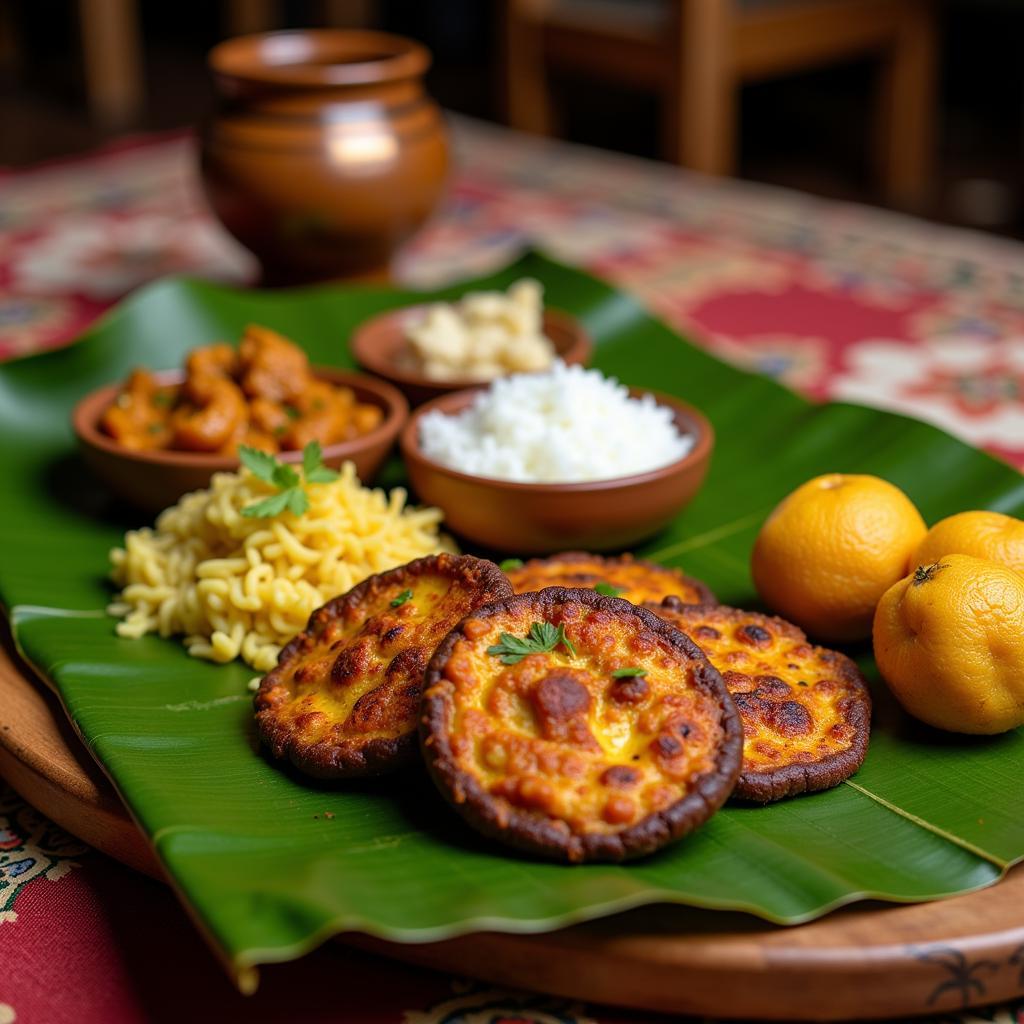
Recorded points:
(376, 756)
(331, 761)
(764, 787)
(707, 596)
(794, 779)
(675, 605)
(536, 833)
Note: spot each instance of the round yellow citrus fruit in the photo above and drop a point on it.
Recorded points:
(949, 641)
(830, 550)
(982, 534)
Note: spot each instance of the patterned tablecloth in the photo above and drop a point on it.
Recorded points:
(836, 300)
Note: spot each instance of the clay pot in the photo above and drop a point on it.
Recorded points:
(325, 154)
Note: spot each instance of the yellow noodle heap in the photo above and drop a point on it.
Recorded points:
(235, 585)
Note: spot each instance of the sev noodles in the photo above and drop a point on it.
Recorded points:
(240, 586)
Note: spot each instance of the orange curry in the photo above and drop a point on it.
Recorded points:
(263, 394)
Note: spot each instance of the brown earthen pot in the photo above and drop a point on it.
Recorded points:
(325, 153)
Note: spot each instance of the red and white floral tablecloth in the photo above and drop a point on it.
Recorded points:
(836, 300)
(839, 301)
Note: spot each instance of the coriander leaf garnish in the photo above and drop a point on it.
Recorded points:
(259, 463)
(404, 596)
(268, 507)
(284, 476)
(542, 637)
(286, 479)
(510, 563)
(298, 503)
(313, 467)
(607, 590)
(632, 672)
(321, 475)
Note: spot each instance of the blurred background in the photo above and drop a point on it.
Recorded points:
(906, 104)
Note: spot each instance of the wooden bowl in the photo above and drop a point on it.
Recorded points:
(378, 344)
(153, 480)
(528, 519)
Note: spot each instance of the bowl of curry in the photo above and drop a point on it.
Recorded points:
(159, 434)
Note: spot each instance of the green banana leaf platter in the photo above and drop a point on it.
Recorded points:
(269, 865)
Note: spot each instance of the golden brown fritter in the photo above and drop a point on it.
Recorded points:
(344, 698)
(635, 580)
(604, 748)
(806, 710)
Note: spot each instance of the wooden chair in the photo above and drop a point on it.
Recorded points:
(112, 46)
(112, 60)
(697, 53)
(245, 16)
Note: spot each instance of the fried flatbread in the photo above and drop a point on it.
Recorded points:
(635, 580)
(806, 710)
(603, 751)
(344, 697)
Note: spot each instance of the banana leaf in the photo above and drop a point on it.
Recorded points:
(270, 865)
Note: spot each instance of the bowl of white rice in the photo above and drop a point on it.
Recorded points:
(568, 458)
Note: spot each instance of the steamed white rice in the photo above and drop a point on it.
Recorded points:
(568, 425)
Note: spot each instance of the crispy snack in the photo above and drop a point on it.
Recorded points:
(806, 710)
(344, 697)
(635, 580)
(605, 750)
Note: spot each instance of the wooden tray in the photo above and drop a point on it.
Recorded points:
(869, 961)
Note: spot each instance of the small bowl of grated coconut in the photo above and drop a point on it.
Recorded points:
(541, 462)
(436, 348)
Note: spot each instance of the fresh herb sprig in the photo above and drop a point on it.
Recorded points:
(291, 494)
(607, 590)
(405, 595)
(542, 637)
(632, 672)
(510, 563)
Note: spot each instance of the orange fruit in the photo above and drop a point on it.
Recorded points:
(949, 641)
(830, 550)
(982, 534)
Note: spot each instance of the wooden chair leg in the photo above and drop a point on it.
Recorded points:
(350, 13)
(243, 17)
(526, 95)
(700, 109)
(10, 49)
(906, 111)
(112, 57)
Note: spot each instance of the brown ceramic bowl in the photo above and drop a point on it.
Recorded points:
(379, 343)
(154, 480)
(529, 519)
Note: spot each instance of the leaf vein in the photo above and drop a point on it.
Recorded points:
(964, 844)
(702, 540)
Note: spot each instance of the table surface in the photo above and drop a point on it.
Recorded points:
(836, 300)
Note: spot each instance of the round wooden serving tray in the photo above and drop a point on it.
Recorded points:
(868, 961)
